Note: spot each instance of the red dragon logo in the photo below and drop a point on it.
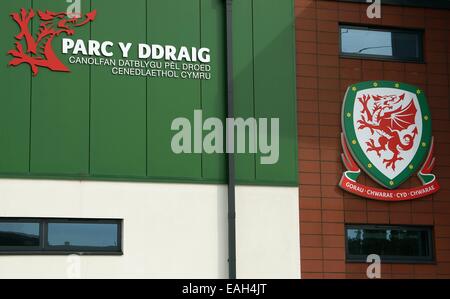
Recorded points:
(39, 51)
(389, 122)
(386, 132)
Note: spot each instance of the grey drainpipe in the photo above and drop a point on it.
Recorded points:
(231, 168)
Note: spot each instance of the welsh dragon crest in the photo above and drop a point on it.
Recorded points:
(387, 120)
(38, 50)
(387, 133)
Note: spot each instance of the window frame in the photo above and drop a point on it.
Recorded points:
(26, 249)
(45, 249)
(418, 31)
(408, 3)
(392, 259)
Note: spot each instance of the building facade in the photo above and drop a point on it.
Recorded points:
(112, 163)
(324, 72)
(87, 164)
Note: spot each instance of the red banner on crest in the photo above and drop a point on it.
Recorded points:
(349, 184)
(387, 195)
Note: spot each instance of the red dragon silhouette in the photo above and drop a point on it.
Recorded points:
(39, 51)
(388, 122)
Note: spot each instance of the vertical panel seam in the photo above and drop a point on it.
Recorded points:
(294, 91)
(201, 81)
(90, 100)
(31, 106)
(146, 95)
(253, 81)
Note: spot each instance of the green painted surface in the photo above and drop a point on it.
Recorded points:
(60, 112)
(243, 79)
(118, 103)
(91, 124)
(213, 92)
(274, 79)
(170, 98)
(15, 98)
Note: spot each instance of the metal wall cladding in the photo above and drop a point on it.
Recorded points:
(91, 124)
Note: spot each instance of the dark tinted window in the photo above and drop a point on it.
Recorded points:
(412, 3)
(19, 234)
(60, 236)
(390, 242)
(381, 43)
(84, 235)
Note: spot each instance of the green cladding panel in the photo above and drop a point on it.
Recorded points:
(177, 23)
(91, 124)
(59, 112)
(213, 92)
(15, 89)
(243, 80)
(118, 103)
(274, 80)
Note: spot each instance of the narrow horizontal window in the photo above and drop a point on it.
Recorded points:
(60, 236)
(24, 235)
(391, 44)
(391, 243)
(83, 236)
(412, 3)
